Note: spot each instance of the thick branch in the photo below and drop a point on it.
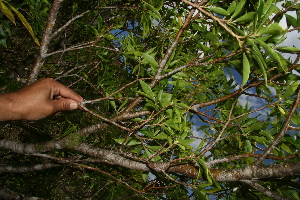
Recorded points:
(189, 170)
(45, 42)
(257, 172)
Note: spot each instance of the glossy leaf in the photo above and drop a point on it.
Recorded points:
(4, 9)
(290, 90)
(248, 17)
(239, 8)
(151, 60)
(272, 53)
(219, 10)
(260, 60)
(26, 24)
(291, 21)
(246, 69)
(147, 90)
(232, 7)
(155, 14)
(287, 49)
(273, 29)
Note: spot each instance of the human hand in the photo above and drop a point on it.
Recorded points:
(37, 101)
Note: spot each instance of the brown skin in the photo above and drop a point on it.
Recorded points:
(37, 101)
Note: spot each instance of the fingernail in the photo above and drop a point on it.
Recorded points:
(73, 105)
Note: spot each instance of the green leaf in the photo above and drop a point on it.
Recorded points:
(291, 21)
(129, 142)
(246, 69)
(274, 29)
(213, 190)
(260, 8)
(161, 136)
(147, 90)
(296, 120)
(286, 148)
(260, 140)
(145, 177)
(26, 24)
(281, 110)
(151, 104)
(287, 49)
(248, 146)
(290, 90)
(183, 105)
(99, 25)
(205, 169)
(248, 17)
(181, 83)
(267, 5)
(201, 194)
(151, 60)
(113, 104)
(154, 13)
(260, 60)
(219, 10)
(271, 52)
(120, 141)
(4, 9)
(172, 124)
(123, 104)
(256, 126)
(232, 7)
(165, 99)
(186, 141)
(133, 142)
(239, 8)
(292, 141)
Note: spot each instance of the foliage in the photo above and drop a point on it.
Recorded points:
(183, 100)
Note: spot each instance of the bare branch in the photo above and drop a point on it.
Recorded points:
(221, 132)
(45, 42)
(68, 23)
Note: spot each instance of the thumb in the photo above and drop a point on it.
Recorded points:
(65, 104)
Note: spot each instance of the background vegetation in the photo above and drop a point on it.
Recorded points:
(183, 100)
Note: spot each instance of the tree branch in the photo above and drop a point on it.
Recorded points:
(281, 134)
(264, 190)
(45, 42)
(68, 23)
(248, 155)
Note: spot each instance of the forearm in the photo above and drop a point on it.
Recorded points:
(8, 108)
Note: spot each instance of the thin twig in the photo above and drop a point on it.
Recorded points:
(68, 23)
(264, 190)
(222, 131)
(216, 19)
(282, 132)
